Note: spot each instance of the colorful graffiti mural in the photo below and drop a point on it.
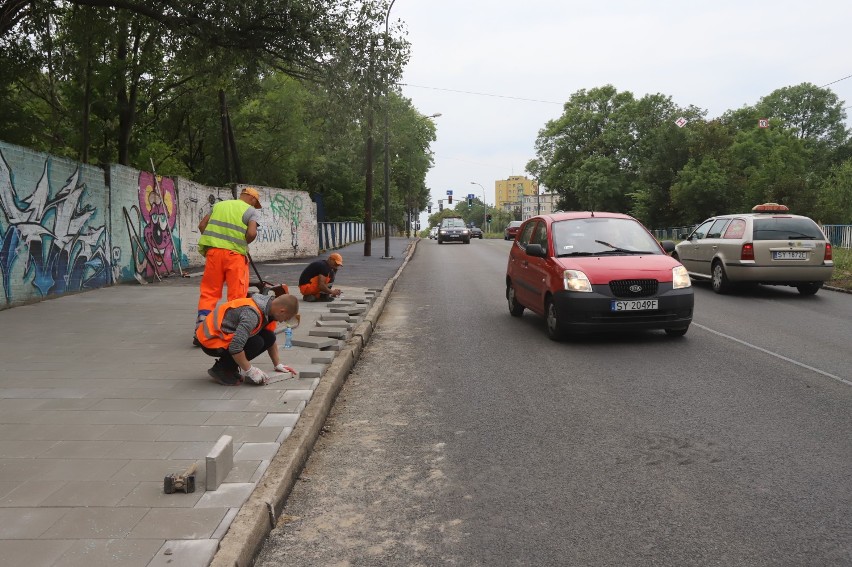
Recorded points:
(151, 226)
(52, 234)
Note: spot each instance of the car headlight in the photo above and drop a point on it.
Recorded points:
(575, 280)
(465, 232)
(680, 278)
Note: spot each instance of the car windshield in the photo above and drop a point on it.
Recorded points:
(602, 236)
(453, 223)
(786, 228)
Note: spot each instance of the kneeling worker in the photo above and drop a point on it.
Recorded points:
(239, 330)
(316, 279)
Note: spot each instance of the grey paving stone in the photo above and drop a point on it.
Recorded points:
(198, 553)
(297, 395)
(94, 523)
(235, 418)
(335, 317)
(243, 471)
(256, 451)
(285, 433)
(14, 449)
(82, 450)
(323, 357)
(151, 495)
(89, 493)
(219, 461)
(229, 495)
(191, 450)
(326, 332)
(30, 493)
(178, 523)
(108, 552)
(194, 433)
(66, 404)
(28, 523)
(313, 342)
(184, 417)
(156, 470)
(223, 526)
(133, 432)
(280, 420)
(247, 434)
(134, 405)
(29, 553)
(80, 469)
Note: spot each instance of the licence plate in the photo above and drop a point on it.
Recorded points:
(788, 255)
(634, 305)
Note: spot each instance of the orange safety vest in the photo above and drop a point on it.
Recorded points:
(210, 334)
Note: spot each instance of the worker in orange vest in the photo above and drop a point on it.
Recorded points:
(236, 332)
(225, 235)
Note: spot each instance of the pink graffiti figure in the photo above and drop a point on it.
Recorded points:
(159, 213)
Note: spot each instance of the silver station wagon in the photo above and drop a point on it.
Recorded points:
(767, 246)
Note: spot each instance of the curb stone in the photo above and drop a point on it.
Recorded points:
(260, 512)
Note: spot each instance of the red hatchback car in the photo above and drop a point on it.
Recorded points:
(595, 271)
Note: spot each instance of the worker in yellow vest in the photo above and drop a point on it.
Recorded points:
(225, 235)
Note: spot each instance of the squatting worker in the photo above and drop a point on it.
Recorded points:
(236, 332)
(316, 279)
(225, 235)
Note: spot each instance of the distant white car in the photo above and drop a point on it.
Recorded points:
(433, 233)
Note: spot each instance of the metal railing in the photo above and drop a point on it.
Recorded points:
(332, 235)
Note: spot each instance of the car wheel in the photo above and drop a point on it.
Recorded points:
(554, 328)
(677, 332)
(515, 308)
(440, 241)
(809, 288)
(467, 241)
(719, 279)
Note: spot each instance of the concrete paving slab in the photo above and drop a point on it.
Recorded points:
(28, 523)
(331, 333)
(28, 553)
(243, 471)
(185, 553)
(178, 523)
(89, 493)
(256, 451)
(94, 523)
(314, 342)
(108, 552)
(151, 495)
(30, 494)
(228, 495)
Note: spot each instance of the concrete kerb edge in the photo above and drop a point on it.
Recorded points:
(258, 515)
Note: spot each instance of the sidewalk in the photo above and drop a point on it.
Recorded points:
(102, 396)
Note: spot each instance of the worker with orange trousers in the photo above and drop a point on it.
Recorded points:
(225, 235)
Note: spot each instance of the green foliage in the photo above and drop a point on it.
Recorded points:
(611, 151)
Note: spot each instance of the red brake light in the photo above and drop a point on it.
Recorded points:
(828, 250)
(747, 252)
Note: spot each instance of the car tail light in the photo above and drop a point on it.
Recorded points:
(828, 251)
(747, 252)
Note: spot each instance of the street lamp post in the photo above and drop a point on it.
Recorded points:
(387, 255)
(485, 214)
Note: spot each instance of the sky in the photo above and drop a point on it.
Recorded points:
(497, 71)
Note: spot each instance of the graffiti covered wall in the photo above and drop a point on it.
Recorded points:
(68, 227)
(53, 226)
(288, 225)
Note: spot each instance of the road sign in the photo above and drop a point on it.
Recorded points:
(763, 123)
(449, 191)
(681, 122)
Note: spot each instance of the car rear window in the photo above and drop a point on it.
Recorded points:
(786, 228)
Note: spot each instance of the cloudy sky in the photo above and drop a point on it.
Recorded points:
(497, 71)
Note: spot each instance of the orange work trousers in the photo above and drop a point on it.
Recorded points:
(222, 267)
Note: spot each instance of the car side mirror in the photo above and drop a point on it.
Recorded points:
(536, 250)
(668, 246)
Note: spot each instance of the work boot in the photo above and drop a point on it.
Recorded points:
(309, 298)
(224, 376)
(195, 341)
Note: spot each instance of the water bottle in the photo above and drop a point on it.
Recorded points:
(288, 338)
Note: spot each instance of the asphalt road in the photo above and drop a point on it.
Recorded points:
(464, 436)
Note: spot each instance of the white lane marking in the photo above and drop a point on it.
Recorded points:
(775, 354)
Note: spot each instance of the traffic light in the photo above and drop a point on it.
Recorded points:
(449, 199)
(440, 207)
(488, 217)
(469, 201)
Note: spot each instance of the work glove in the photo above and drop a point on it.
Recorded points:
(255, 375)
(281, 367)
